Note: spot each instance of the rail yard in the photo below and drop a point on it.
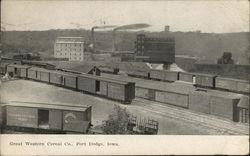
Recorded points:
(174, 103)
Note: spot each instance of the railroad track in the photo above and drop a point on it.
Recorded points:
(205, 120)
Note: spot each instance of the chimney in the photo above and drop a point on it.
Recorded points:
(167, 28)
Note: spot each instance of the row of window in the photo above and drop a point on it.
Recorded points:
(66, 54)
(69, 45)
(68, 49)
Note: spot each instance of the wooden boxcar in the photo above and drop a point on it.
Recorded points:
(117, 90)
(39, 74)
(187, 77)
(87, 84)
(16, 70)
(199, 101)
(70, 80)
(232, 84)
(157, 74)
(56, 78)
(171, 75)
(164, 75)
(59, 117)
(224, 106)
(139, 73)
(205, 80)
(179, 99)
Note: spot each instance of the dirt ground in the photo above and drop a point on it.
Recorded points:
(24, 90)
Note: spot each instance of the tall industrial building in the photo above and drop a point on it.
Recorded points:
(155, 50)
(69, 47)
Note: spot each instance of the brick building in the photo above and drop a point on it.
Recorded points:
(69, 47)
(155, 50)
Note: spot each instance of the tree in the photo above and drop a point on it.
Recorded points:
(117, 121)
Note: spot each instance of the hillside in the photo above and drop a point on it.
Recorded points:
(205, 46)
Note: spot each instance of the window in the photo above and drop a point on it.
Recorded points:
(43, 118)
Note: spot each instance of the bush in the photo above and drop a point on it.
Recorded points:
(117, 121)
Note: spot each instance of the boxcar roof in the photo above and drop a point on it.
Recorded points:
(203, 74)
(39, 69)
(101, 78)
(164, 70)
(19, 66)
(72, 107)
(226, 78)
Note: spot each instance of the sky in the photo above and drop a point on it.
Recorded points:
(212, 16)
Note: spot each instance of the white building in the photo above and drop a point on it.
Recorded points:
(69, 47)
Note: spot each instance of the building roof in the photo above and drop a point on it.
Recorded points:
(76, 67)
(72, 107)
(39, 69)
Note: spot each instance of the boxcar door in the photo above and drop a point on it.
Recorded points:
(151, 94)
(55, 119)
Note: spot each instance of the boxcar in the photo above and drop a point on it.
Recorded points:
(171, 75)
(199, 101)
(232, 84)
(87, 83)
(157, 74)
(16, 70)
(164, 75)
(173, 98)
(119, 90)
(224, 106)
(205, 80)
(187, 77)
(56, 78)
(179, 99)
(39, 74)
(59, 117)
(70, 80)
(138, 73)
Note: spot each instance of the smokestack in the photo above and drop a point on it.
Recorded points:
(113, 40)
(93, 38)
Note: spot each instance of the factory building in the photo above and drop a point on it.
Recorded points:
(154, 50)
(71, 48)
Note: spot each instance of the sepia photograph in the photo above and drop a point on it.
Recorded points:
(126, 68)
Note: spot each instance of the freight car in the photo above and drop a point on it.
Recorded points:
(205, 80)
(139, 74)
(215, 103)
(235, 85)
(46, 117)
(121, 90)
(16, 70)
(164, 75)
(169, 94)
